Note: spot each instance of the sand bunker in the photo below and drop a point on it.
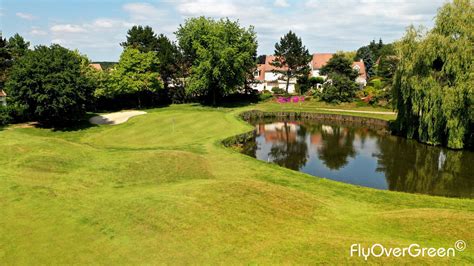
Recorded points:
(114, 118)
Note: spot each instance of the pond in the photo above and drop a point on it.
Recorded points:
(363, 156)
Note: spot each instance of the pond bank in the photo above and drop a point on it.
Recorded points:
(256, 114)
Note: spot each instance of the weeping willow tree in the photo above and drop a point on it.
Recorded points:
(434, 81)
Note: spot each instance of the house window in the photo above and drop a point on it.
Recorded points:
(256, 73)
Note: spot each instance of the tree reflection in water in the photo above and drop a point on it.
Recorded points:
(417, 168)
(290, 150)
(337, 146)
(358, 155)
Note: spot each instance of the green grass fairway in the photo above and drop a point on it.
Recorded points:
(162, 189)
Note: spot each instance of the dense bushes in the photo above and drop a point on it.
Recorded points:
(49, 85)
(308, 84)
(278, 90)
(339, 89)
(376, 92)
(265, 96)
(10, 114)
(5, 117)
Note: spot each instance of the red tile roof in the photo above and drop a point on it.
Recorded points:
(2, 94)
(96, 66)
(261, 70)
(361, 65)
(268, 66)
(320, 59)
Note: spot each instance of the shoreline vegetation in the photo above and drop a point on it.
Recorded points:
(303, 115)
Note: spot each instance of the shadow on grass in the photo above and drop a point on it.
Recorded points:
(235, 104)
(131, 107)
(233, 101)
(69, 126)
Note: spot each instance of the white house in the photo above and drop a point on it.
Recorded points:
(266, 78)
(319, 60)
(360, 67)
(3, 98)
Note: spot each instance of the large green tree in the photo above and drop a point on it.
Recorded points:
(434, 82)
(168, 60)
(339, 64)
(339, 89)
(17, 46)
(142, 38)
(135, 74)
(220, 54)
(367, 56)
(341, 85)
(168, 55)
(49, 85)
(10, 51)
(5, 58)
(376, 47)
(291, 58)
(370, 54)
(388, 62)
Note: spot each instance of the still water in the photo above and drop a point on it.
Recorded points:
(362, 156)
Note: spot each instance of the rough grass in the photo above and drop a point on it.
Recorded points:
(162, 189)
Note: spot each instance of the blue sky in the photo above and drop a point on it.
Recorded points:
(97, 27)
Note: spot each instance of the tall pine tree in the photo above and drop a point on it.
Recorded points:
(141, 38)
(291, 58)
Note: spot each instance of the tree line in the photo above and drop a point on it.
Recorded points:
(427, 75)
(53, 85)
(211, 59)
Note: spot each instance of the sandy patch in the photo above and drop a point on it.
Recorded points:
(23, 125)
(114, 118)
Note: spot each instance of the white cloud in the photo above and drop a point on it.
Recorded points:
(281, 3)
(67, 28)
(142, 11)
(25, 16)
(323, 25)
(37, 31)
(220, 8)
(59, 41)
(108, 24)
(104, 23)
